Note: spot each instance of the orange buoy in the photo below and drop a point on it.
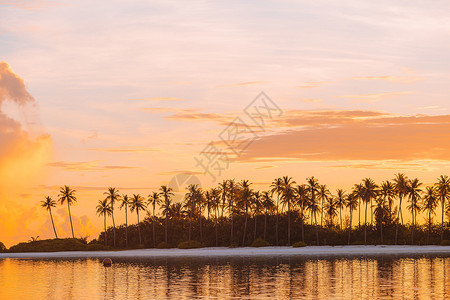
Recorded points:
(107, 262)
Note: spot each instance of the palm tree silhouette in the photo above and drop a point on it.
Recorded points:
(66, 194)
(287, 196)
(48, 203)
(268, 205)
(401, 183)
(276, 188)
(137, 203)
(340, 203)
(313, 206)
(301, 192)
(166, 193)
(257, 206)
(443, 190)
(324, 194)
(414, 194)
(112, 195)
(330, 208)
(124, 202)
(369, 192)
(104, 208)
(352, 204)
(223, 187)
(358, 193)
(430, 202)
(215, 203)
(245, 200)
(231, 195)
(381, 206)
(191, 199)
(153, 200)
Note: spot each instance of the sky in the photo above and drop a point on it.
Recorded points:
(133, 94)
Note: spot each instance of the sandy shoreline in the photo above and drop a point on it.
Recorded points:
(243, 252)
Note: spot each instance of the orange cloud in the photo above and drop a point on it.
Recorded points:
(399, 79)
(86, 166)
(370, 98)
(124, 150)
(311, 100)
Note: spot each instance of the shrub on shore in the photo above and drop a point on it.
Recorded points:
(2, 247)
(51, 245)
(445, 243)
(163, 245)
(259, 242)
(189, 245)
(97, 247)
(299, 245)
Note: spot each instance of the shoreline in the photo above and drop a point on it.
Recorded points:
(269, 252)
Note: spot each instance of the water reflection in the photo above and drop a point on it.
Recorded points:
(222, 278)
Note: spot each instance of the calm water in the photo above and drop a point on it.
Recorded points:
(249, 278)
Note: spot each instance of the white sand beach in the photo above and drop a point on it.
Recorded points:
(243, 252)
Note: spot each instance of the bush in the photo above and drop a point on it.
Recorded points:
(96, 247)
(299, 244)
(260, 243)
(163, 245)
(50, 246)
(2, 247)
(445, 243)
(189, 245)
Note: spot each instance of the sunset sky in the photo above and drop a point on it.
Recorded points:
(127, 93)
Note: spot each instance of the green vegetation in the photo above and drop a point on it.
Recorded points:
(50, 245)
(259, 242)
(2, 247)
(189, 245)
(445, 243)
(163, 245)
(299, 245)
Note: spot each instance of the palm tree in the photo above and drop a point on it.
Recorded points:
(257, 205)
(340, 203)
(245, 200)
(330, 208)
(215, 203)
(381, 206)
(401, 183)
(191, 199)
(66, 194)
(369, 192)
(352, 204)
(137, 203)
(287, 196)
(430, 202)
(124, 201)
(314, 208)
(112, 195)
(414, 191)
(358, 193)
(153, 200)
(302, 201)
(103, 208)
(276, 187)
(48, 203)
(387, 191)
(443, 190)
(231, 194)
(166, 193)
(324, 194)
(223, 187)
(268, 205)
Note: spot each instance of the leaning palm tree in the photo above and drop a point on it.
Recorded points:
(153, 200)
(137, 203)
(287, 196)
(340, 203)
(66, 194)
(124, 202)
(352, 204)
(268, 205)
(104, 208)
(48, 203)
(112, 195)
(414, 194)
(276, 188)
(430, 202)
(401, 183)
(166, 193)
(443, 190)
(313, 206)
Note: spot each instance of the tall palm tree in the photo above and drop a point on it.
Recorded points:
(48, 203)
(245, 199)
(414, 194)
(276, 188)
(330, 208)
(137, 203)
(153, 200)
(340, 203)
(370, 192)
(257, 206)
(112, 195)
(324, 194)
(401, 183)
(301, 192)
(381, 206)
(352, 204)
(358, 193)
(104, 208)
(215, 204)
(268, 205)
(191, 199)
(387, 191)
(166, 193)
(313, 206)
(287, 196)
(223, 187)
(67, 195)
(430, 202)
(124, 202)
(443, 190)
(231, 195)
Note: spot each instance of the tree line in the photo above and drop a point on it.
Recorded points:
(287, 211)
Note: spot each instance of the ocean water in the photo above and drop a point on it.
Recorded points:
(285, 277)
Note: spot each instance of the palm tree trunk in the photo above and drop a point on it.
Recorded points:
(245, 226)
(104, 216)
(350, 226)
(190, 223)
(359, 213)
(303, 223)
(139, 228)
(340, 216)
(231, 223)
(381, 226)
(265, 225)
(429, 226)
(53, 224)
(126, 227)
(217, 235)
(276, 226)
(153, 227)
(114, 227)
(70, 217)
(201, 231)
(365, 225)
(289, 223)
(317, 230)
(412, 226)
(165, 221)
(442, 223)
(371, 212)
(254, 234)
(321, 214)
